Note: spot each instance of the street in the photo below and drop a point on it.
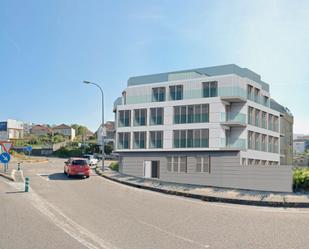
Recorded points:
(61, 212)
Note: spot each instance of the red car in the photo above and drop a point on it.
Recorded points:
(77, 167)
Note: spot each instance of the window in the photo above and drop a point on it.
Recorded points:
(203, 164)
(198, 138)
(124, 97)
(264, 143)
(270, 144)
(250, 161)
(156, 139)
(257, 117)
(250, 140)
(257, 141)
(139, 140)
(250, 92)
(250, 115)
(210, 89)
(270, 122)
(191, 114)
(177, 164)
(243, 161)
(176, 92)
(124, 140)
(124, 118)
(275, 145)
(140, 117)
(158, 94)
(265, 100)
(276, 124)
(257, 95)
(264, 120)
(156, 116)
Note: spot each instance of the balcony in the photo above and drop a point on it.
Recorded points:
(231, 119)
(238, 144)
(117, 102)
(233, 94)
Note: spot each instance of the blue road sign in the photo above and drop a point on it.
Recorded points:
(28, 148)
(5, 157)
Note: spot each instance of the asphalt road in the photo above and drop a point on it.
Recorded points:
(61, 212)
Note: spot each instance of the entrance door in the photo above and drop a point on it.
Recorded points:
(155, 169)
(147, 169)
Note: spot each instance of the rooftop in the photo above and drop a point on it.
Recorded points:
(197, 73)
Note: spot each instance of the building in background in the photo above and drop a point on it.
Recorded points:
(109, 133)
(11, 130)
(175, 126)
(65, 130)
(40, 130)
(27, 128)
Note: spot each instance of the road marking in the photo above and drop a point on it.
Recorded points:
(57, 217)
(44, 176)
(173, 234)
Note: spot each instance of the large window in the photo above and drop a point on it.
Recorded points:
(156, 116)
(264, 143)
(210, 89)
(177, 164)
(139, 140)
(203, 164)
(176, 92)
(250, 115)
(257, 117)
(250, 92)
(270, 144)
(264, 120)
(156, 139)
(270, 122)
(257, 141)
(124, 140)
(250, 140)
(158, 94)
(124, 118)
(140, 117)
(191, 114)
(198, 138)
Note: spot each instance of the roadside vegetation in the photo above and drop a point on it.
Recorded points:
(114, 166)
(301, 179)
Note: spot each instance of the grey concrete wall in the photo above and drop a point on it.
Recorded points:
(226, 171)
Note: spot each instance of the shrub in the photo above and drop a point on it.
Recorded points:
(114, 166)
(301, 179)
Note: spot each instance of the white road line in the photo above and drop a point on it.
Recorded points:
(70, 227)
(44, 176)
(173, 234)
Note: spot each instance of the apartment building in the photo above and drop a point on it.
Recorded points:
(11, 130)
(178, 125)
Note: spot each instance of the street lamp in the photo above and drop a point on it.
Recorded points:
(88, 82)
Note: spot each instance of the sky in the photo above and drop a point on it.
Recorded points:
(47, 48)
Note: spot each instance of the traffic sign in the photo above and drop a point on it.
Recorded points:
(5, 157)
(28, 148)
(6, 146)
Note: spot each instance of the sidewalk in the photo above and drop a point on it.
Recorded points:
(12, 173)
(212, 194)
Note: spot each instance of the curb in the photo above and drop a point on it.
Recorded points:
(7, 177)
(212, 198)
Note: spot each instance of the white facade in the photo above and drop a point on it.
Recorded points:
(65, 130)
(11, 129)
(229, 117)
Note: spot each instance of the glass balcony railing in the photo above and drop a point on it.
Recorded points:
(232, 92)
(236, 144)
(233, 117)
(118, 101)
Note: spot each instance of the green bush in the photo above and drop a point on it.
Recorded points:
(301, 179)
(114, 166)
(69, 152)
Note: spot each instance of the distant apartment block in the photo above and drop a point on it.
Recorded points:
(65, 130)
(11, 130)
(176, 125)
(40, 130)
(109, 133)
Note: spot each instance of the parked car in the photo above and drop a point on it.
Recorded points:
(91, 159)
(77, 167)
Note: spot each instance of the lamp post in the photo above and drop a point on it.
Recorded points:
(102, 95)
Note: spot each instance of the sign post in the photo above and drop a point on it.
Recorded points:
(28, 149)
(5, 156)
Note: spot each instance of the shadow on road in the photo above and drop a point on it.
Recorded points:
(63, 177)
